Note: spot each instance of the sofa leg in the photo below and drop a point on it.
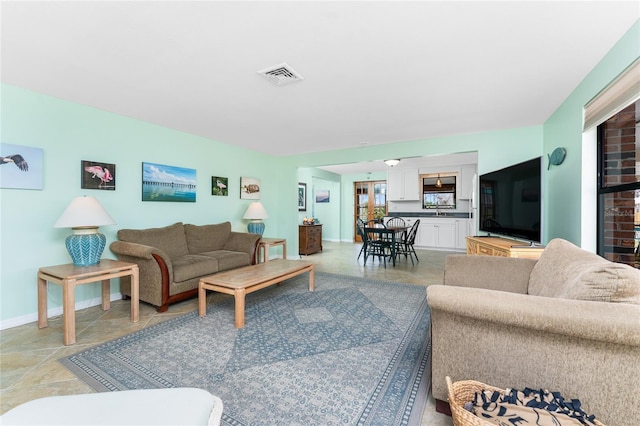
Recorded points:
(163, 308)
(443, 407)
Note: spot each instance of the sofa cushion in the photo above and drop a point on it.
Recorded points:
(193, 266)
(170, 239)
(204, 238)
(569, 272)
(229, 259)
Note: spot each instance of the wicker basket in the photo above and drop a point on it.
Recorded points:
(462, 392)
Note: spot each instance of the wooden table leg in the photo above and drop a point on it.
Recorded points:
(284, 249)
(42, 303)
(135, 293)
(202, 300)
(239, 295)
(69, 312)
(312, 279)
(106, 294)
(265, 253)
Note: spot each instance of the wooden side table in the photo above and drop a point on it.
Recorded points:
(69, 276)
(267, 243)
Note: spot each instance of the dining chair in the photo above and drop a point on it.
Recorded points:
(360, 224)
(409, 241)
(398, 222)
(377, 244)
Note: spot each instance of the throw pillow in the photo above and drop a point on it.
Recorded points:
(170, 239)
(206, 238)
(567, 271)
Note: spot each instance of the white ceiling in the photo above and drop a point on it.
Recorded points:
(374, 72)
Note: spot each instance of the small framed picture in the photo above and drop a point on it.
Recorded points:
(22, 167)
(322, 196)
(219, 186)
(302, 197)
(97, 175)
(249, 188)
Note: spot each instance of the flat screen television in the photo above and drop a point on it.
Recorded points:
(510, 201)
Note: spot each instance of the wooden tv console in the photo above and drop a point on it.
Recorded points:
(494, 246)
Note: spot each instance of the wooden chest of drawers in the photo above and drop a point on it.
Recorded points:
(309, 239)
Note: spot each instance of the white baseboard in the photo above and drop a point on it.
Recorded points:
(53, 312)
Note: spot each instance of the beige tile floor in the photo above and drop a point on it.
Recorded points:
(29, 366)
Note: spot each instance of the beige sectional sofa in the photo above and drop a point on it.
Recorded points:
(568, 322)
(172, 259)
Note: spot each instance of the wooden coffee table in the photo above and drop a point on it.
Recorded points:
(242, 281)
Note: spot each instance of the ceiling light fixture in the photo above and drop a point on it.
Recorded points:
(391, 163)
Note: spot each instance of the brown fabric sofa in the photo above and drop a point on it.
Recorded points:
(172, 259)
(568, 322)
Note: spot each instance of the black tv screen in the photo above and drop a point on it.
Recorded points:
(511, 201)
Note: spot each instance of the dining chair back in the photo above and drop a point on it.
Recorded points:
(410, 240)
(395, 222)
(360, 224)
(377, 244)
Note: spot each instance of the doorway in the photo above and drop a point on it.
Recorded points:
(370, 202)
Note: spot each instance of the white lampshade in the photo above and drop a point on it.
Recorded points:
(255, 211)
(391, 163)
(84, 212)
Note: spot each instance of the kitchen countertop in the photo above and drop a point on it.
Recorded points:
(443, 214)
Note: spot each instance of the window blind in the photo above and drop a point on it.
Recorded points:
(620, 93)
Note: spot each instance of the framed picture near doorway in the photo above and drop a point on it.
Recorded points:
(302, 197)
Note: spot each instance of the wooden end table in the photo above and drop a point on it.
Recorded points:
(242, 281)
(69, 276)
(266, 243)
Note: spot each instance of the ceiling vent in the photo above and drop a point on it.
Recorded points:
(281, 74)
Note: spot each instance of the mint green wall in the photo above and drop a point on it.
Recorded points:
(564, 186)
(327, 213)
(69, 133)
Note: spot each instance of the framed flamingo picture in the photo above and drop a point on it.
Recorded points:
(219, 186)
(97, 175)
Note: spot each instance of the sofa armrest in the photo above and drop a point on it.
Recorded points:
(489, 272)
(155, 266)
(583, 349)
(617, 323)
(136, 250)
(243, 242)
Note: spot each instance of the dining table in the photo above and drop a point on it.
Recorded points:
(384, 232)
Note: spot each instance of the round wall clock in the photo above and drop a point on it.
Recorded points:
(557, 157)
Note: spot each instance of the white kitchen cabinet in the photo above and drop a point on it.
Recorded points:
(462, 232)
(403, 184)
(438, 233)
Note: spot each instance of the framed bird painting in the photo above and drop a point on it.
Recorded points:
(219, 185)
(98, 175)
(21, 167)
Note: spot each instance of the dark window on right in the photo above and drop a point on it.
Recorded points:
(619, 187)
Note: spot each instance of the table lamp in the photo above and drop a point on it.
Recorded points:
(84, 215)
(255, 213)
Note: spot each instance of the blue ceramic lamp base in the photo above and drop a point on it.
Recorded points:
(85, 246)
(256, 227)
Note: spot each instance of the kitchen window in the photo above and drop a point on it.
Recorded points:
(438, 192)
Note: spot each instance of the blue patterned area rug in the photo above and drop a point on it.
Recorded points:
(354, 352)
